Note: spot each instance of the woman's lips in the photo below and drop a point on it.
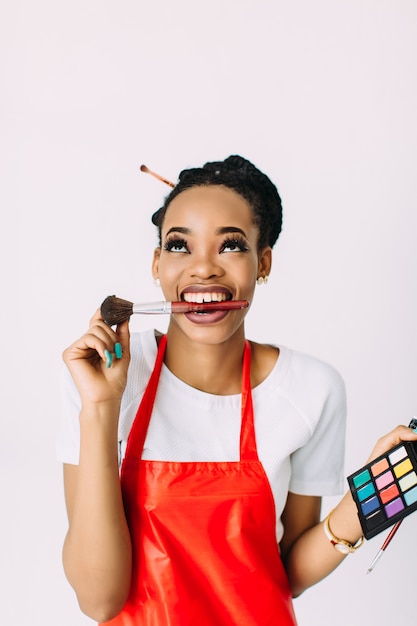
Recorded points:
(211, 317)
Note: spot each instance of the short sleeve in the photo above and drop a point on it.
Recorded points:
(318, 466)
(68, 437)
(143, 354)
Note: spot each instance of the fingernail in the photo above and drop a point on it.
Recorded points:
(109, 358)
(118, 350)
(415, 430)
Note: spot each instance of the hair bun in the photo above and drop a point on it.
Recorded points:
(240, 175)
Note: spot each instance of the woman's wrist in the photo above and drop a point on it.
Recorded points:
(341, 545)
(100, 409)
(99, 426)
(345, 521)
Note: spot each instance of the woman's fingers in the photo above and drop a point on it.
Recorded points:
(123, 336)
(391, 439)
(96, 341)
(116, 343)
(102, 341)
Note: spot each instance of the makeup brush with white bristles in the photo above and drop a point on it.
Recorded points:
(116, 310)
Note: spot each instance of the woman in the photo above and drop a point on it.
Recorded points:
(216, 516)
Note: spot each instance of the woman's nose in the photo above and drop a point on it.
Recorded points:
(205, 265)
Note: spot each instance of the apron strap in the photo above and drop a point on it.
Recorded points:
(137, 435)
(248, 450)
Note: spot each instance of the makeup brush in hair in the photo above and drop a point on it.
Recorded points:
(144, 168)
(116, 310)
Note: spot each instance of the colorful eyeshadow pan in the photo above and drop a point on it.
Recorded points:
(378, 468)
(394, 507)
(398, 454)
(370, 505)
(361, 479)
(411, 496)
(408, 481)
(384, 480)
(385, 490)
(403, 468)
(366, 491)
(389, 494)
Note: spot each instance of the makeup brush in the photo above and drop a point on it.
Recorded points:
(384, 546)
(116, 310)
(144, 168)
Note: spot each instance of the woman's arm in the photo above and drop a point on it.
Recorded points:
(307, 553)
(97, 549)
(311, 557)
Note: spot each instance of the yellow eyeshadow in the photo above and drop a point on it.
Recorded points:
(403, 468)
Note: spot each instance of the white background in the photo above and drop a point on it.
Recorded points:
(320, 95)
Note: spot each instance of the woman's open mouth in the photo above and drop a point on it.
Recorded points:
(208, 295)
(200, 296)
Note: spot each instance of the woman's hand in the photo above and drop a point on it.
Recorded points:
(99, 360)
(393, 438)
(309, 555)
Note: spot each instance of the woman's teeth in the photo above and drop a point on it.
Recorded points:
(200, 297)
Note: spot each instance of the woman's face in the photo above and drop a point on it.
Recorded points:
(209, 252)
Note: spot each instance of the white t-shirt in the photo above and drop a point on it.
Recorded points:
(300, 414)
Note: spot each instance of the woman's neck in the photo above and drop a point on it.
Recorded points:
(212, 368)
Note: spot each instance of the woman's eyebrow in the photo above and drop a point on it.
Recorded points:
(178, 229)
(230, 229)
(223, 230)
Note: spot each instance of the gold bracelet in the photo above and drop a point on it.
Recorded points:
(341, 545)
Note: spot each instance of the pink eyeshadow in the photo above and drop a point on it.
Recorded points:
(384, 480)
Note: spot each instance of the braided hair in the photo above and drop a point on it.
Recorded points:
(241, 176)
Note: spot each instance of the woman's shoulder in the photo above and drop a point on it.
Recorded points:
(303, 364)
(143, 344)
(294, 367)
(143, 349)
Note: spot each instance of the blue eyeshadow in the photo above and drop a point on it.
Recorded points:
(370, 505)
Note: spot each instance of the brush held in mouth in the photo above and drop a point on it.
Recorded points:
(116, 310)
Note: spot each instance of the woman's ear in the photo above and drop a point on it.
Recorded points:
(265, 262)
(155, 262)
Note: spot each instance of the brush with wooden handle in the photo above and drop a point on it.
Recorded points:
(144, 168)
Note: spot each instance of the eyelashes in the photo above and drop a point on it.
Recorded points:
(234, 244)
(230, 244)
(176, 245)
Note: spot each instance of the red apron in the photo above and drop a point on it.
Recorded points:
(204, 545)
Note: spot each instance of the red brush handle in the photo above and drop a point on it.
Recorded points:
(226, 305)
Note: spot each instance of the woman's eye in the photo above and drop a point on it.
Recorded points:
(234, 245)
(176, 245)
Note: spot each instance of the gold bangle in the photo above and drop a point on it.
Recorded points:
(341, 545)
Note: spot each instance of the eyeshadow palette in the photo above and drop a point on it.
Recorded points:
(385, 490)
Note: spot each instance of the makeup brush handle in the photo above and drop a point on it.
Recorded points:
(186, 307)
(206, 307)
(152, 307)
